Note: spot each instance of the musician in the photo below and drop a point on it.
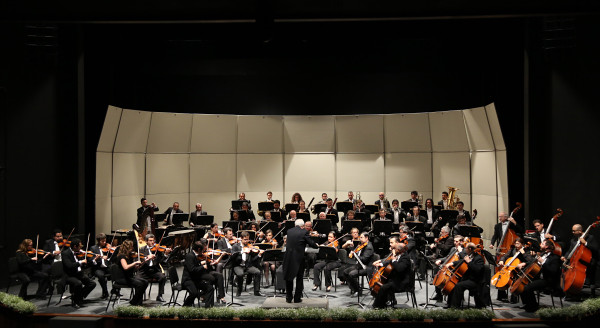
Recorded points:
(326, 266)
(407, 238)
(382, 202)
(152, 269)
(246, 260)
(170, 211)
(310, 258)
(277, 208)
(524, 258)
(296, 198)
(457, 248)
(381, 214)
(461, 221)
(364, 252)
(360, 208)
(242, 197)
(550, 276)
(213, 276)
(351, 198)
(245, 213)
(349, 216)
(195, 273)
(292, 215)
(302, 207)
(225, 244)
(540, 232)
(100, 264)
(293, 262)
(461, 211)
(269, 196)
(323, 198)
(269, 267)
(195, 214)
(125, 275)
(501, 227)
(444, 201)
(471, 280)
(80, 284)
(52, 246)
(441, 245)
(398, 279)
(30, 268)
(431, 215)
(415, 215)
(213, 234)
(145, 214)
(592, 245)
(414, 197)
(397, 213)
(331, 210)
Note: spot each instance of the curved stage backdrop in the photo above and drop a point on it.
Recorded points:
(209, 159)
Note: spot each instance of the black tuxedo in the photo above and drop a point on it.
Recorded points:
(250, 266)
(169, 219)
(152, 269)
(194, 215)
(441, 203)
(386, 204)
(141, 217)
(352, 272)
(194, 279)
(497, 237)
(79, 283)
(293, 261)
(471, 280)
(550, 278)
(100, 269)
(398, 280)
(401, 215)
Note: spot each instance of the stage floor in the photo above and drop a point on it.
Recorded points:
(340, 298)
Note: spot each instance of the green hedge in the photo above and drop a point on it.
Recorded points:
(17, 304)
(313, 314)
(587, 309)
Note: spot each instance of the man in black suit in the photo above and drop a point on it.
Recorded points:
(415, 215)
(540, 232)
(431, 215)
(550, 276)
(194, 277)
(293, 261)
(277, 208)
(330, 210)
(460, 207)
(382, 202)
(398, 279)
(414, 197)
(101, 263)
(79, 283)
(471, 280)
(444, 202)
(501, 227)
(194, 215)
(152, 269)
(246, 260)
(398, 214)
(363, 252)
(144, 213)
(170, 211)
(52, 246)
(246, 215)
(590, 242)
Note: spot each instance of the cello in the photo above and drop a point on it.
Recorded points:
(508, 238)
(575, 265)
(506, 275)
(527, 275)
(380, 276)
(454, 274)
(442, 276)
(557, 249)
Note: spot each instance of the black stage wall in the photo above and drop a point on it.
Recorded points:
(544, 96)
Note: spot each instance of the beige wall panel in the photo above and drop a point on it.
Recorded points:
(103, 214)
(214, 203)
(212, 173)
(259, 196)
(309, 134)
(408, 171)
(478, 129)
(128, 174)
(495, 127)
(109, 129)
(133, 132)
(502, 174)
(451, 169)
(448, 131)
(260, 134)
(486, 213)
(164, 201)
(124, 211)
(407, 133)
(359, 134)
(309, 172)
(104, 162)
(483, 173)
(170, 133)
(167, 173)
(259, 172)
(369, 197)
(503, 205)
(214, 134)
(364, 172)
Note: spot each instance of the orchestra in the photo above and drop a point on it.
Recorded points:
(440, 237)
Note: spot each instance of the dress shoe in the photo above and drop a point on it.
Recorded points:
(238, 293)
(315, 288)
(437, 298)
(222, 301)
(77, 306)
(258, 294)
(288, 300)
(328, 289)
(104, 295)
(298, 301)
(160, 298)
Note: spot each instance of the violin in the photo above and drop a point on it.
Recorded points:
(41, 252)
(358, 249)
(83, 254)
(64, 242)
(156, 248)
(335, 244)
(215, 252)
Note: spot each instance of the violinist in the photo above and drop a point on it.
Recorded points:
(592, 245)
(472, 279)
(152, 269)
(326, 266)
(310, 258)
(550, 276)
(269, 267)
(225, 244)
(406, 237)
(501, 227)
(128, 263)
(524, 257)
(53, 246)
(213, 235)
(195, 272)
(398, 279)
(457, 248)
(100, 264)
(30, 268)
(439, 248)
(79, 283)
(246, 261)
(213, 259)
(364, 252)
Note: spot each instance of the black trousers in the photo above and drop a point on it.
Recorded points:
(139, 287)
(289, 285)
(215, 279)
(43, 283)
(456, 295)
(155, 273)
(326, 267)
(528, 295)
(252, 271)
(352, 273)
(194, 288)
(101, 273)
(80, 286)
(385, 292)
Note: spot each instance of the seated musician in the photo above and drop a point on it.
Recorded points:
(331, 210)
(472, 279)
(398, 279)
(100, 265)
(144, 214)
(415, 215)
(246, 261)
(292, 216)
(310, 258)
(269, 267)
(195, 277)
(214, 257)
(364, 252)
(461, 221)
(549, 278)
(277, 208)
(267, 217)
(444, 202)
(398, 214)
(414, 197)
(457, 248)
(351, 198)
(269, 196)
(407, 238)
(501, 227)
(30, 268)
(381, 214)
(245, 213)
(382, 202)
(460, 207)
(242, 197)
(225, 244)
(170, 211)
(540, 232)
(80, 284)
(326, 266)
(349, 216)
(127, 267)
(152, 269)
(302, 207)
(213, 233)
(53, 247)
(296, 198)
(524, 257)
(592, 245)
(431, 216)
(438, 249)
(194, 215)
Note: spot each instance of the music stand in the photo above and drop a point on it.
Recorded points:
(372, 208)
(234, 225)
(348, 225)
(535, 243)
(468, 231)
(344, 206)
(407, 206)
(322, 226)
(438, 207)
(266, 225)
(276, 216)
(251, 233)
(265, 206)
(333, 218)
(382, 226)
(327, 254)
(160, 217)
(448, 217)
(273, 255)
(364, 218)
(244, 215)
(236, 205)
(204, 220)
(305, 216)
(178, 218)
(320, 208)
(416, 226)
(292, 207)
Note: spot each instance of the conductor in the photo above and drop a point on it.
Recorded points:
(293, 261)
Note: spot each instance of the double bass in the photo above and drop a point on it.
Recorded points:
(576, 263)
(508, 238)
(557, 248)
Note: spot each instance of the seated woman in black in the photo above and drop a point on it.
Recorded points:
(30, 268)
(127, 267)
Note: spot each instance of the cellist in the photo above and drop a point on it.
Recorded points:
(457, 248)
(550, 276)
(524, 257)
(591, 244)
(398, 279)
(471, 280)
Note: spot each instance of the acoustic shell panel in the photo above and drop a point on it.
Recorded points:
(309, 172)
(103, 214)
(369, 197)
(502, 176)
(359, 134)
(309, 134)
(104, 163)
(214, 203)
(167, 173)
(448, 132)
(478, 129)
(212, 173)
(260, 135)
(486, 213)
(258, 196)
(407, 172)
(128, 176)
(407, 133)
(164, 201)
(170, 133)
(132, 136)
(451, 170)
(483, 173)
(214, 134)
(259, 172)
(124, 211)
(364, 172)
(109, 129)
(495, 127)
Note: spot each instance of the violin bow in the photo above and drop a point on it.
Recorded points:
(87, 245)
(37, 241)
(67, 239)
(160, 241)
